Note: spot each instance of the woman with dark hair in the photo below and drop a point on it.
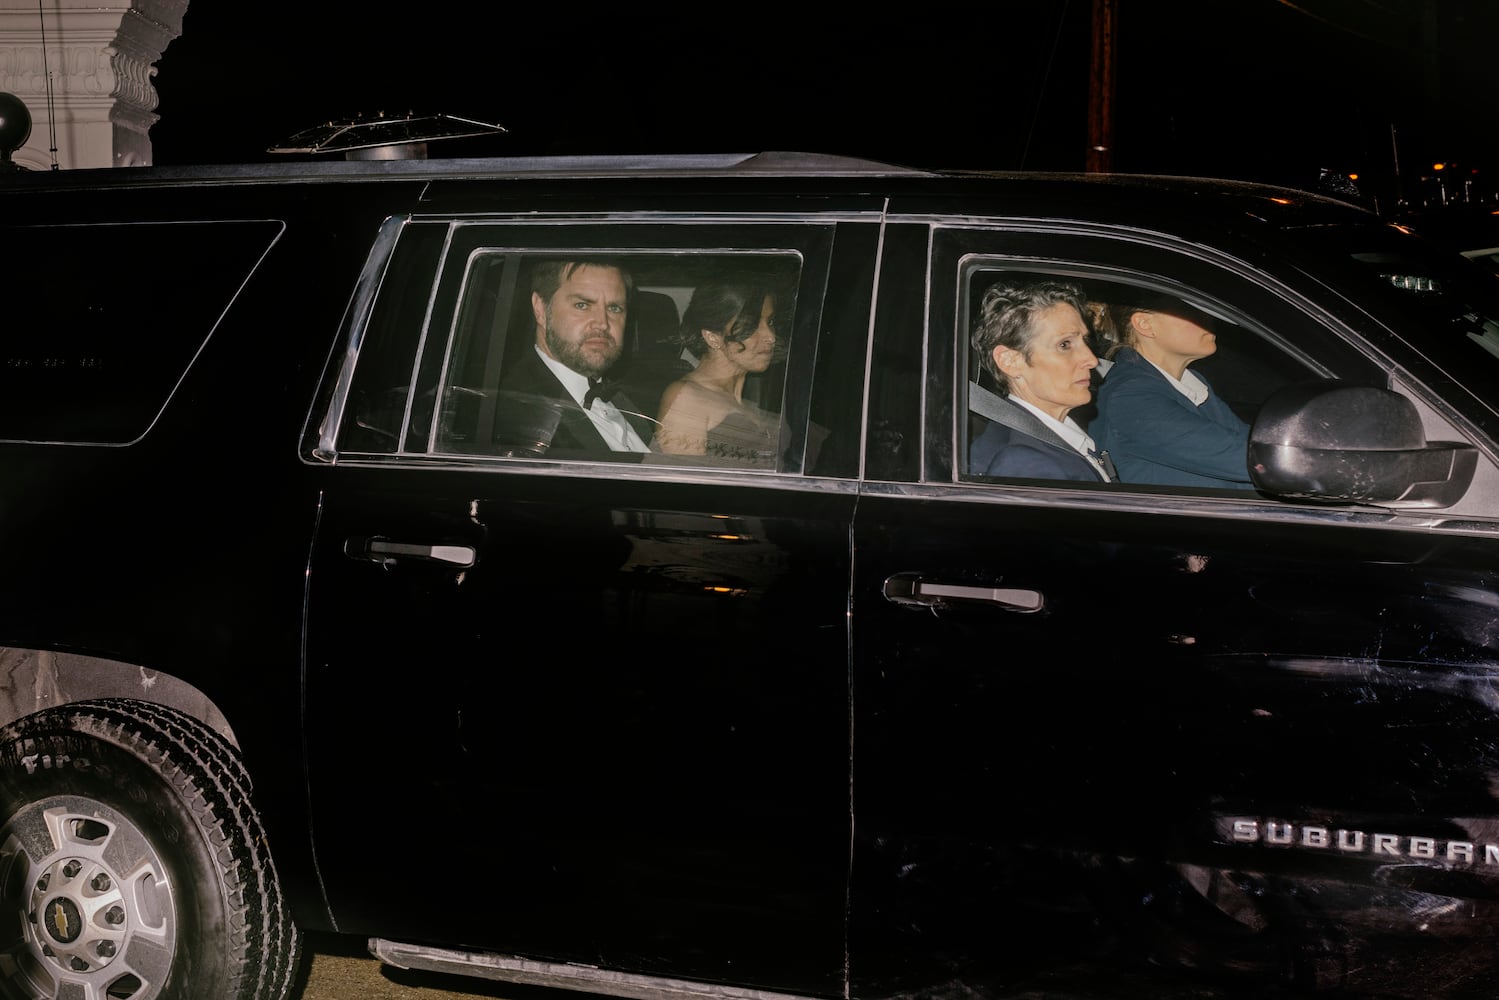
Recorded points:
(1033, 340)
(730, 328)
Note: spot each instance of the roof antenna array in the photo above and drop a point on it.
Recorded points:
(51, 111)
(385, 137)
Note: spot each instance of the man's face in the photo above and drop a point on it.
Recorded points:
(583, 326)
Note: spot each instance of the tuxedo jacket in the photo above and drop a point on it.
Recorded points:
(1155, 434)
(1016, 443)
(536, 414)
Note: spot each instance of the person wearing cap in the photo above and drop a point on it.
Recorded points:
(1160, 422)
(1032, 339)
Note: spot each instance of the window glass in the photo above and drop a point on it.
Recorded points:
(684, 354)
(83, 362)
(1445, 304)
(1188, 376)
(671, 356)
(381, 404)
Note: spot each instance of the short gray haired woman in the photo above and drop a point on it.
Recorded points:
(1033, 339)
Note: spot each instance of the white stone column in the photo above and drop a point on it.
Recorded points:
(97, 56)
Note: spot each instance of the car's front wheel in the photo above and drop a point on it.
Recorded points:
(132, 863)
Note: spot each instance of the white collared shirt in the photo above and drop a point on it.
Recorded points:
(1188, 385)
(1070, 431)
(617, 432)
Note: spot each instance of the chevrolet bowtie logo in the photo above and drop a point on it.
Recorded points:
(63, 920)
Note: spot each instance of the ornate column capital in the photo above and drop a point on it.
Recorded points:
(98, 57)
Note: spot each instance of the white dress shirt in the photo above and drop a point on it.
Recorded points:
(1071, 431)
(1188, 385)
(617, 432)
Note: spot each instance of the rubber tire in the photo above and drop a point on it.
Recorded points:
(166, 801)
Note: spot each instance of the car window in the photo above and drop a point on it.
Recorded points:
(385, 350)
(83, 363)
(666, 379)
(1186, 431)
(491, 343)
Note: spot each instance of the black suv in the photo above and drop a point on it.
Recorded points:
(310, 622)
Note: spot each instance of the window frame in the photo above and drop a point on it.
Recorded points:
(811, 240)
(1253, 301)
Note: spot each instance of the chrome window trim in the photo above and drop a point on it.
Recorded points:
(645, 472)
(1106, 497)
(648, 217)
(356, 322)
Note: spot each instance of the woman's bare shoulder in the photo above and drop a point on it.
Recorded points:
(689, 391)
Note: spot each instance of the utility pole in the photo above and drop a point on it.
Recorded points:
(1101, 89)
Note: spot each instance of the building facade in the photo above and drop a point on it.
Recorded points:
(83, 69)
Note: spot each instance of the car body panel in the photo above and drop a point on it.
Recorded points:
(859, 722)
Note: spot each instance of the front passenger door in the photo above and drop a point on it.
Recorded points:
(1067, 694)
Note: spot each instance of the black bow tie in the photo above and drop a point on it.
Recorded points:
(599, 389)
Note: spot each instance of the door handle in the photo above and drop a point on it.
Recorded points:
(383, 550)
(911, 590)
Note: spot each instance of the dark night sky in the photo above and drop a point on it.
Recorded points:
(1263, 89)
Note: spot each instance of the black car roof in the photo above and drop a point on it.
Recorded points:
(1211, 196)
(781, 164)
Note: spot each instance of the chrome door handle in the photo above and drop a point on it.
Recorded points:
(911, 589)
(383, 550)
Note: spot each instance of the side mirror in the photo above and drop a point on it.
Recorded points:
(1341, 443)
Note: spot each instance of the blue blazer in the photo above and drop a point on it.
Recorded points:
(1155, 434)
(1017, 444)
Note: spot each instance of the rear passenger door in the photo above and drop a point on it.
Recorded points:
(587, 707)
(1062, 686)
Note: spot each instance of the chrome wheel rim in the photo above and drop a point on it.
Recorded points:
(96, 916)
